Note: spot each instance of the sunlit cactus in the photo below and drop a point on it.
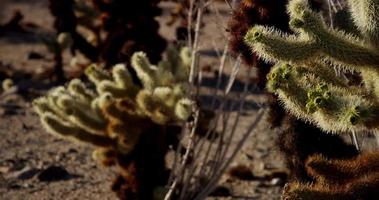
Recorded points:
(304, 77)
(126, 121)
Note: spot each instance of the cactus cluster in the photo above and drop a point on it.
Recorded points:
(304, 74)
(107, 31)
(335, 179)
(127, 121)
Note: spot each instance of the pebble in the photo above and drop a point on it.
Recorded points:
(241, 172)
(276, 182)
(220, 191)
(53, 173)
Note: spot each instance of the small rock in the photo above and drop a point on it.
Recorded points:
(220, 191)
(241, 172)
(249, 156)
(72, 150)
(278, 177)
(34, 55)
(53, 173)
(276, 182)
(59, 157)
(14, 186)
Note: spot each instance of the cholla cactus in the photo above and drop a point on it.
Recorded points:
(128, 123)
(303, 76)
(350, 179)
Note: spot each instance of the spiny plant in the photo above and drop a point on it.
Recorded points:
(131, 125)
(129, 31)
(304, 77)
(114, 30)
(335, 179)
(297, 139)
(257, 12)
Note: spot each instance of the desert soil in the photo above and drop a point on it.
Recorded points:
(35, 165)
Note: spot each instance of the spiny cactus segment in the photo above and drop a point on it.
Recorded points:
(304, 77)
(348, 179)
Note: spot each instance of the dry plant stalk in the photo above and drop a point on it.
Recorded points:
(197, 178)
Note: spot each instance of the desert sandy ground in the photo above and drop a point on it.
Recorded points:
(35, 165)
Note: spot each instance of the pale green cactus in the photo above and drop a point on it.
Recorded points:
(110, 116)
(304, 77)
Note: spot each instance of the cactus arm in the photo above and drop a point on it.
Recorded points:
(56, 126)
(370, 78)
(182, 71)
(122, 76)
(183, 109)
(111, 87)
(341, 171)
(348, 179)
(96, 75)
(89, 123)
(366, 18)
(144, 70)
(274, 46)
(77, 88)
(332, 108)
(337, 45)
(153, 107)
(301, 191)
(95, 107)
(124, 80)
(81, 115)
(41, 105)
(337, 114)
(165, 95)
